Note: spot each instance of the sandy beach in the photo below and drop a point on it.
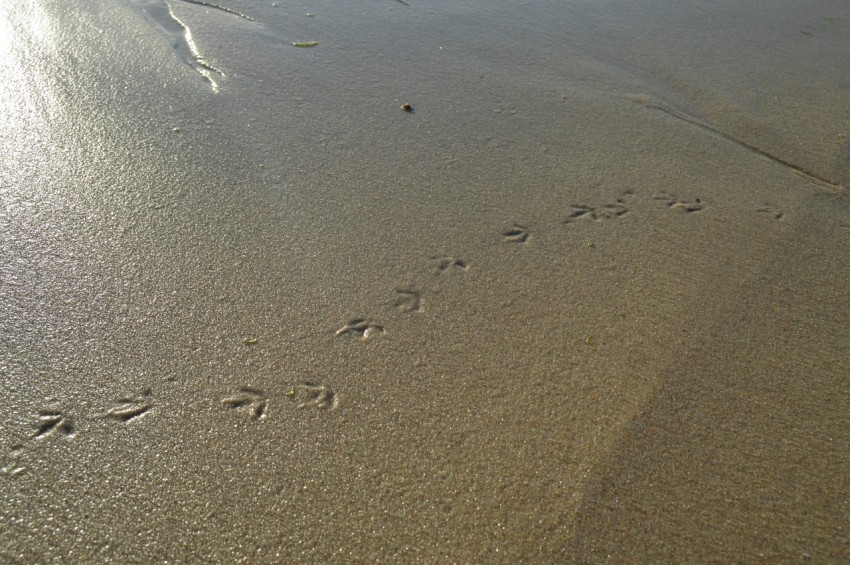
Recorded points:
(584, 301)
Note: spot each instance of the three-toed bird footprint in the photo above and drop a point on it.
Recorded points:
(407, 300)
(688, 206)
(610, 211)
(310, 394)
(54, 422)
(772, 211)
(361, 327)
(516, 234)
(445, 264)
(251, 400)
(129, 408)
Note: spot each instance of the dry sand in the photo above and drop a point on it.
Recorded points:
(587, 302)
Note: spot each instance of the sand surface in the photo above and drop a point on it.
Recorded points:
(586, 303)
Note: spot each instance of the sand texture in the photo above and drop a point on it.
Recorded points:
(584, 301)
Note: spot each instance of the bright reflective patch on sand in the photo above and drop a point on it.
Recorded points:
(178, 33)
(24, 33)
(27, 98)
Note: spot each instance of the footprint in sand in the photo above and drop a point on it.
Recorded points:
(12, 467)
(695, 205)
(54, 422)
(613, 211)
(310, 394)
(362, 328)
(772, 211)
(250, 400)
(516, 234)
(447, 264)
(129, 408)
(407, 300)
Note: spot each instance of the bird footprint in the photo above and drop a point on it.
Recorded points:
(361, 327)
(252, 400)
(517, 234)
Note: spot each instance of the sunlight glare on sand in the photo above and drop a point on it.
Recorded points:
(26, 100)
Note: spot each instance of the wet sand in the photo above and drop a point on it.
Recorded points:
(587, 302)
